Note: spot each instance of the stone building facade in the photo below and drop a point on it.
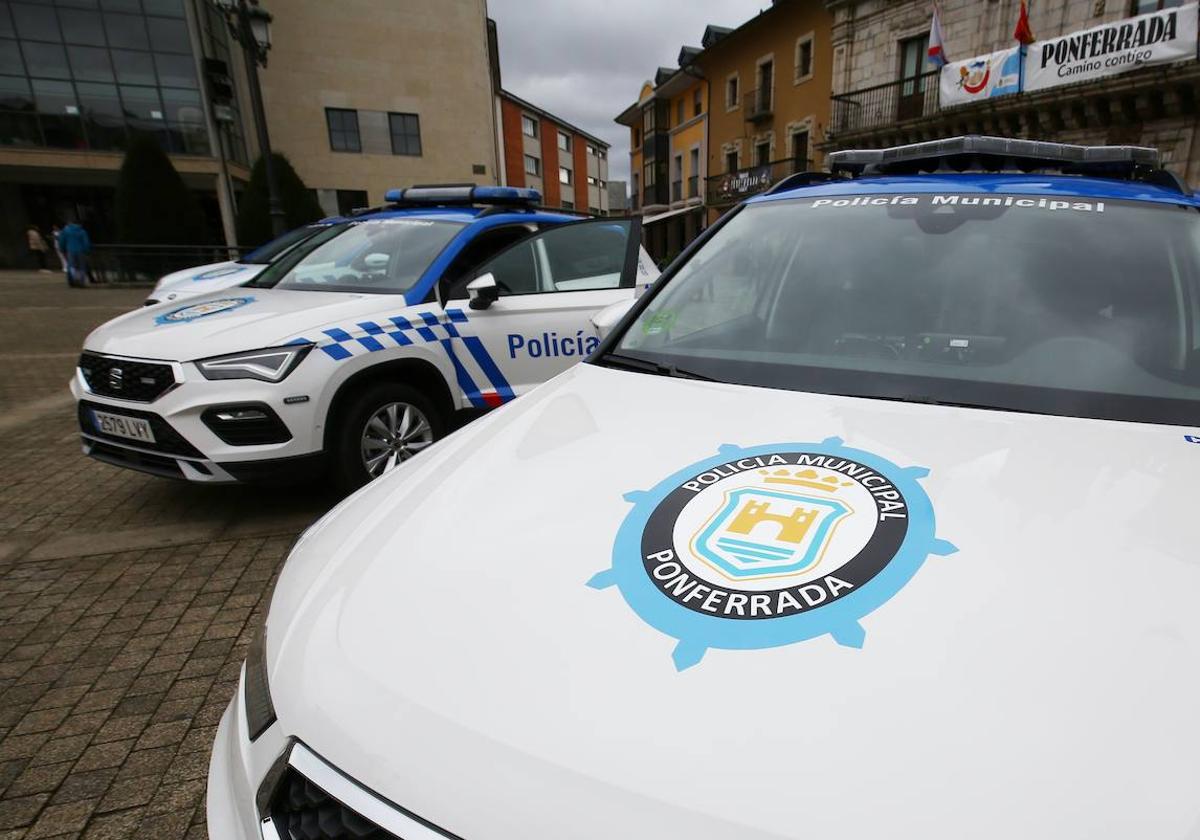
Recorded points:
(881, 99)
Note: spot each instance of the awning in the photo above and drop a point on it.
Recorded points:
(658, 217)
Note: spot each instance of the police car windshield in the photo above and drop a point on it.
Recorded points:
(380, 256)
(265, 254)
(1071, 306)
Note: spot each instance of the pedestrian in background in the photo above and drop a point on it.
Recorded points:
(37, 247)
(55, 232)
(76, 244)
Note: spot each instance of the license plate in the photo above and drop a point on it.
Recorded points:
(133, 428)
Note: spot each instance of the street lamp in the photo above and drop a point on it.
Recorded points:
(250, 25)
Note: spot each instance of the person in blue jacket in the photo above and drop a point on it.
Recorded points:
(76, 244)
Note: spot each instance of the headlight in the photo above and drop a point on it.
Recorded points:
(260, 711)
(270, 365)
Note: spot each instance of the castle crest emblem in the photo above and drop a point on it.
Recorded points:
(770, 545)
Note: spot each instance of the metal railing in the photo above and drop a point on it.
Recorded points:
(741, 183)
(141, 264)
(756, 104)
(904, 99)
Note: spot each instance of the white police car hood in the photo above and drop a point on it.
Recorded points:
(462, 638)
(202, 279)
(234, 319)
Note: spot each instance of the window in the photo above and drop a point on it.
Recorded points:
(766, 85)
(533, 166)
(648, 121)
(529, 126)
(1114, 337)
(731, 92)
(677, 178)
(1141, 7)
(567, 204)
(800, 158)
(731, 161)
(762, 153)
(406, 134)
(635, 192)
(378, 257)
(577, 257)
(648, 174)
(804, 58)
(913, 54)
(564, 175)
(637, 137)
(595, 211)
(484, 246)
(693, 173)
(592, 181)
(343, 130)
(564, 142)
(697, 103)
(679, 112)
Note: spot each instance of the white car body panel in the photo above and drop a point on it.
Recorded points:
(1041, 682)
(202, 279)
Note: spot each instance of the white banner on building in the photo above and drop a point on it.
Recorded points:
(981, 77)
(1117, 47)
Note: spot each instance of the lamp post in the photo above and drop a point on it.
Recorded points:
(250, 25)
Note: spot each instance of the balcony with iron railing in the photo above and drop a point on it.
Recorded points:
(756, 105)
(732, 187)
(884, 105)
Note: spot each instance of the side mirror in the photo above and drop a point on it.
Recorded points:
(607, 318)
(483, 291)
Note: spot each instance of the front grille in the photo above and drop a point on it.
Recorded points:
(166, 439)
(302, 811)
(125, 379)
(246, 424)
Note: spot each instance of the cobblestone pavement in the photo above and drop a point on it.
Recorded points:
(126, 601)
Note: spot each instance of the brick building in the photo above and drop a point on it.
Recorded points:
(539, 150)
(885, 93)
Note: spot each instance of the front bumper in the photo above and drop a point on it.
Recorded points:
(187, 448)
(245, 778)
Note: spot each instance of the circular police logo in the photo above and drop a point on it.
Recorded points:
(200, 310)
(772, 545)
(216, 272)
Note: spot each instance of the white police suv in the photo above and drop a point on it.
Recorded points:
(202, 279)
(874, 519)
(361, 345)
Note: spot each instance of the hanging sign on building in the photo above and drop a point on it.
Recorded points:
(981, 77)
(1118, 47)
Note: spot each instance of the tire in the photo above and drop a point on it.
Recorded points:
(375, 436)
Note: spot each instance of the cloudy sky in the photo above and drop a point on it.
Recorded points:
(585, 60)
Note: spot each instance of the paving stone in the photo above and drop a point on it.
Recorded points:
(124, 614)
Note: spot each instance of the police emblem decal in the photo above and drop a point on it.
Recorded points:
(772, 545)
(198, 310)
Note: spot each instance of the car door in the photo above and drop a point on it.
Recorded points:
(549, 285)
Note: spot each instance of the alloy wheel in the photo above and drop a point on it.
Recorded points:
(394, 433)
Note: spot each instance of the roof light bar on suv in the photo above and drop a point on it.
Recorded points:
(999, 154)
(462, 194)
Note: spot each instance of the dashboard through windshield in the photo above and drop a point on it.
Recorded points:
(1073, 306)
(375, 256)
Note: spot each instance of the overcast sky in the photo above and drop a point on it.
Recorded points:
(585, 60)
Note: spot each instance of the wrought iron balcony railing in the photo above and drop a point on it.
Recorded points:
(756, 104)
(881, 105)
(734, 186)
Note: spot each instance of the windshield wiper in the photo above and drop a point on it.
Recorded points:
(616, 360)
(921, 399)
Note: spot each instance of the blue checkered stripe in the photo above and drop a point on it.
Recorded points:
(370, 337)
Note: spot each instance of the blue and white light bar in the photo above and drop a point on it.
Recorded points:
(973, 152)
(463, 194)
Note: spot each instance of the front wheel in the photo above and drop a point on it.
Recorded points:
(385, 425)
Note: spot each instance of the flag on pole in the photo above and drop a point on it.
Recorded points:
(937, 55)
(1023, 32)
